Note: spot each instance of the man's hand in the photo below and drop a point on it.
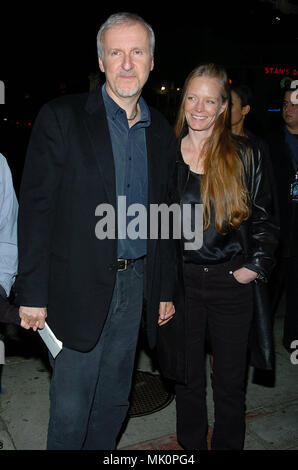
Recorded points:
(166, 312)
(32, 317)
(245, 275)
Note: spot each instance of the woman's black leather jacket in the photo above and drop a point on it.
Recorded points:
(260, 233)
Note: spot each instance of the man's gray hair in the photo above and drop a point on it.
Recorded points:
(119, 19)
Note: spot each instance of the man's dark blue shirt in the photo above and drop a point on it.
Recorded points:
(130, 159)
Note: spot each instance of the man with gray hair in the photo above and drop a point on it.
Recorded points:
(87, 150)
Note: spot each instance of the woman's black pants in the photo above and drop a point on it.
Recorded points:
(219, 304)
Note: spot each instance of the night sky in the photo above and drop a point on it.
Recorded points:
(50, 49)
(45, 45)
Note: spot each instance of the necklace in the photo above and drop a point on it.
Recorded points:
(193, 157)
(131, 119)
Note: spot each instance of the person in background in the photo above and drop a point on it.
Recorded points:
(85, 152)
(8, 247)
(8, 230)
(241, 106)
(283, 148)
(222, 172)
(241, 102)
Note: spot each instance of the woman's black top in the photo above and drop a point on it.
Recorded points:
(216, 248)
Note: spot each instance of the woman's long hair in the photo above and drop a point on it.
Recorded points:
(223, 185)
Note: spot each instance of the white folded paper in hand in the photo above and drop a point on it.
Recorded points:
(53, 344)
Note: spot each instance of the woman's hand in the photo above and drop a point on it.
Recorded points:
(166, 312)
(245, 275)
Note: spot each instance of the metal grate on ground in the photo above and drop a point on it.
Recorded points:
(149, 394)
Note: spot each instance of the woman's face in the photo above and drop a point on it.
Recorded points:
(203, 104)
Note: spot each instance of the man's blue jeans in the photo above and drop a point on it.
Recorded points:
(89, 391)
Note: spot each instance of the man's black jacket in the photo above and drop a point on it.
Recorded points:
(69, 171)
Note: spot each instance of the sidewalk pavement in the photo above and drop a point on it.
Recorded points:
(271, 418)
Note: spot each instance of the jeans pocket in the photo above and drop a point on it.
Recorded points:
(138, 268)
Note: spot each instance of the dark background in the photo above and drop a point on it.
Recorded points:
(49, 49)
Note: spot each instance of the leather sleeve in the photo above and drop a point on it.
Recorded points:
(263, 229)
(9, 313)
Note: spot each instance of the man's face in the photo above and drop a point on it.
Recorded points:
(290, 111)
(127, 60)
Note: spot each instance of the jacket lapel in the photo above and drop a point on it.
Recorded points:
(182, 174)
(98, 131)
(152, 165)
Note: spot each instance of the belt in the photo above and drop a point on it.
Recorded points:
(122, 264)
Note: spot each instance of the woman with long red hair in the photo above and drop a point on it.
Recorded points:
(221, 172)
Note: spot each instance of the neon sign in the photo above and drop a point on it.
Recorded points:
(281, 71)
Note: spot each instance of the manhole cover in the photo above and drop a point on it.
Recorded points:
(149, 394)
